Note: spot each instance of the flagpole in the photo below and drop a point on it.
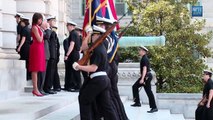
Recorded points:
(90, 11)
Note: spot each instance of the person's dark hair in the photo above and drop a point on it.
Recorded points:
(35, 18)
(26, 22)
(208, 73)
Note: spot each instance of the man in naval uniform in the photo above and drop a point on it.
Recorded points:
(145, 81)
(97, 88)
(111, 46)
(73, 78)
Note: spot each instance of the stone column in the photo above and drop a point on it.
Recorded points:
(12, 70)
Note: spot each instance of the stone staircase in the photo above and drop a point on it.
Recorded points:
(127, 75)
(64, 106)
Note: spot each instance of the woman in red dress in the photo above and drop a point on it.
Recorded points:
(37, 54)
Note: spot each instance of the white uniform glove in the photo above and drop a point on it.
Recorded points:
(74, 65)
(88, 29)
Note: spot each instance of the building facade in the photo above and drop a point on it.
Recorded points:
(12, 70)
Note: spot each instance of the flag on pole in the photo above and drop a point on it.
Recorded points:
(93, 8)
(110, 13)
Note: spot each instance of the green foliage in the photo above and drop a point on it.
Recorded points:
(178, 64)
(129, 54)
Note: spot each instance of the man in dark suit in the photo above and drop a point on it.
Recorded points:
(52, 77)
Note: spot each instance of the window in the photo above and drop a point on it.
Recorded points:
(83, 5)
(122, 7)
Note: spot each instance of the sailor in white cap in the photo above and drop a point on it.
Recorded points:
(111, 45)
(144, 48)
(18, 15)
(52, 21)
(25, 18)
(52, 76)
(23, 47)
(19, 28)
(25, 39)
(71, 23)
(73, 79)
(51, 17)
(204, 110)
(145, 81)
(98, 85)
(100, 20)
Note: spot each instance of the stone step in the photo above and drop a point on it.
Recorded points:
(28, 107)
(140, 113)
(70, 112)
(8, 94)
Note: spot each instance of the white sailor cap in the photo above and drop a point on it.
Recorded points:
(51, 17)
(25, 18)
(71, 23)
(97, 29)
(19, 15)
(78, 28)
(100, 20)
(144, 48)
(207, 72)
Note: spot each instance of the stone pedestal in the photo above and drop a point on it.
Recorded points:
(13, 74)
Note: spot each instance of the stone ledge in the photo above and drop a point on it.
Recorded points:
(179, 103)
(177, 96)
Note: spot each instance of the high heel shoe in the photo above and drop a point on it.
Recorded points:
(37, 94)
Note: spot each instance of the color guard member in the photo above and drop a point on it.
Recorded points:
(145, 81)
(97, 88)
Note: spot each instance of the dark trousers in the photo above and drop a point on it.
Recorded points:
(209, 112)
(50, 74)
(119, 108)
(56, 80)
(41, 78)
(200, 113)
(147, 88)
(28, 73)
(96, 88)
(72, 77)
(68, 73)
(204, 113)
(76, 79)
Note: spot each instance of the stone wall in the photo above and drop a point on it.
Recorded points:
(12, 70)
(179, 103)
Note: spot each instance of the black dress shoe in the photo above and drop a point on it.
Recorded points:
(75, 90)
(153, 110)
(69, 90)
(43, 93)
(50, 91)
(136, 105)
(57, 89)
